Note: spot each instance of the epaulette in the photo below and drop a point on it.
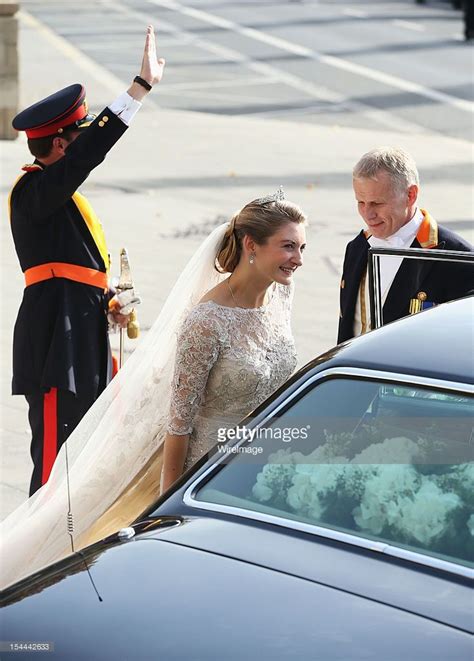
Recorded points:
(32, 167)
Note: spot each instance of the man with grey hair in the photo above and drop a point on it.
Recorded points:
(386, 185)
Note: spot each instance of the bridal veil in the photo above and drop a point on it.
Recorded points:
(108, 471)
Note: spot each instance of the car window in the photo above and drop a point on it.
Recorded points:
(386, 462)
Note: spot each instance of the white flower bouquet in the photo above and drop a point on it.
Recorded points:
(385, 491)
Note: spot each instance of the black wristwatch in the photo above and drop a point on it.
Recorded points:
(141, 81)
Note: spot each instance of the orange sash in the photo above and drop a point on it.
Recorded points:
(69, 271)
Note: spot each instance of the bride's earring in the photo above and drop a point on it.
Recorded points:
(252, 258)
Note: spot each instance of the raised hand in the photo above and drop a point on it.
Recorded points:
(152, 67)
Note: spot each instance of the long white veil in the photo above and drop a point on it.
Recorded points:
(112, 460)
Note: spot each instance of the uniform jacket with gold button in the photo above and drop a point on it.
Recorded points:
(441, 281)
(60, 337)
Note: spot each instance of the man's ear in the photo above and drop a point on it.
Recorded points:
(59, 145)
(412, 194)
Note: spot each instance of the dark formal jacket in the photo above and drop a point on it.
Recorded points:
(441, 281)
(60, 337)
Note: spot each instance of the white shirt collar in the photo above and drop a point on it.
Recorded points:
(403, 237)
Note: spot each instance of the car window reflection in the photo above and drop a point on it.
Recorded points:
(388, 462)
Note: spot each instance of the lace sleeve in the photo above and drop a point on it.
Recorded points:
(197, 351)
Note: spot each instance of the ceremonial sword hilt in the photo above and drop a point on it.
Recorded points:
(125, 282)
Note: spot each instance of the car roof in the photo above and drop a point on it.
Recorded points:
(437, 343)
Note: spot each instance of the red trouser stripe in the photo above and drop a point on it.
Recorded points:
(50, 432)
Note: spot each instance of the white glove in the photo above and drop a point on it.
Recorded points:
(127, 300)
(123, 304)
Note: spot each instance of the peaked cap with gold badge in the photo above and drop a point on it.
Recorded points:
(66, 108)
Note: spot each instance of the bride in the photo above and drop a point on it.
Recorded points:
(220, 346)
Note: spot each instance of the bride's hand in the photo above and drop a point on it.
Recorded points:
(152, 67)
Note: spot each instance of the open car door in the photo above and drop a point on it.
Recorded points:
(374, 271)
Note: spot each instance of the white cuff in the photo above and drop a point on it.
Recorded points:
(125, 107)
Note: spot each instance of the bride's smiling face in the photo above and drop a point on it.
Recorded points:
(282, 254)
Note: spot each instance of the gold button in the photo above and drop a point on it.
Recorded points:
(101, 124)
(105, 118)
(343, 284)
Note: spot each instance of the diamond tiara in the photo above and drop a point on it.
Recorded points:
(276, 197)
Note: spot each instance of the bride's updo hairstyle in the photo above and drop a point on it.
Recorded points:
(260, 220)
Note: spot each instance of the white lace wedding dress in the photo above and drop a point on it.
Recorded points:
(108, 472)
(229, 360)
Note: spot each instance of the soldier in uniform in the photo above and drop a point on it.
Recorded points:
(61, 352)
(386, 185)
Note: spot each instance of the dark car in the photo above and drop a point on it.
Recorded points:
(335, 523)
